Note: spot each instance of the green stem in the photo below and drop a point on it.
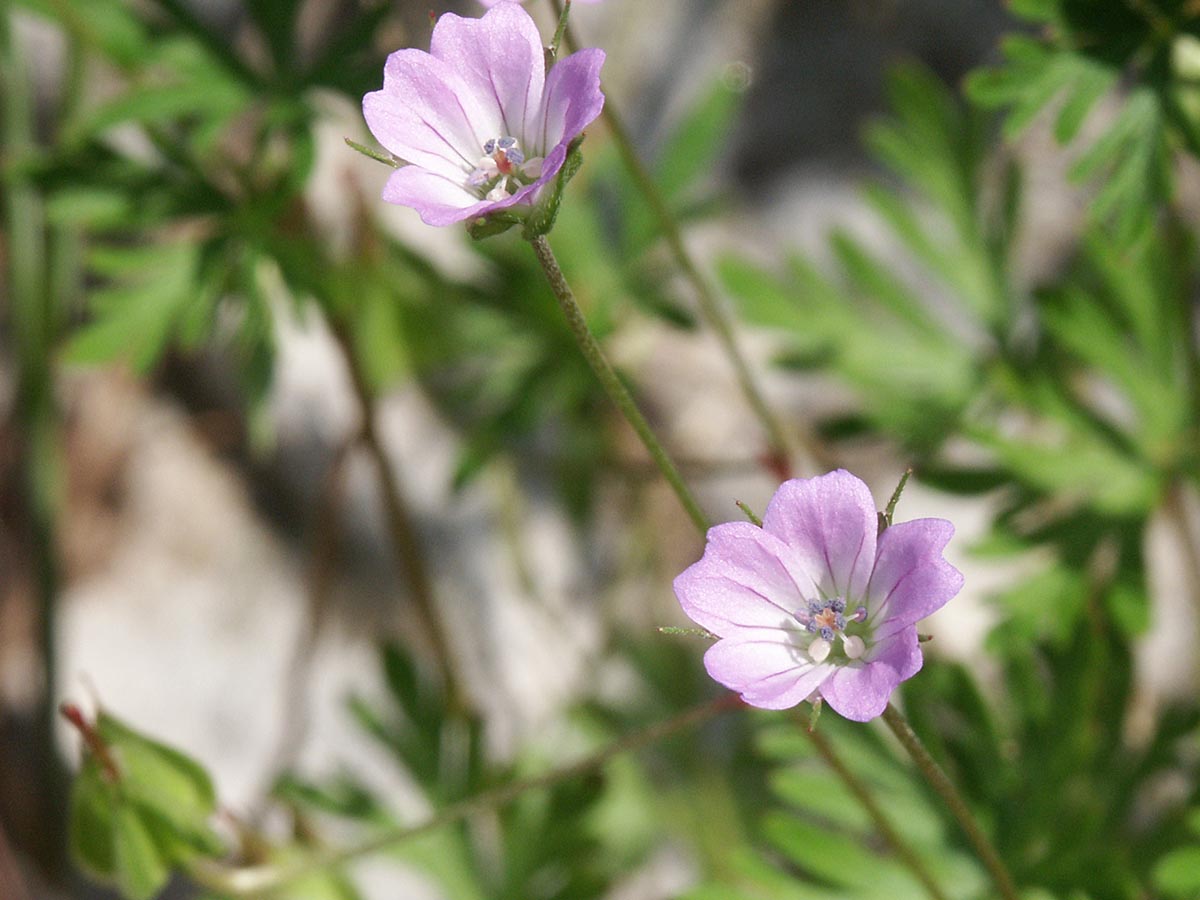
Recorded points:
(613, 386)
(710, 307)
(32, 275)
(254, 880)
(944, 787)
(564, 12)
(862, 793)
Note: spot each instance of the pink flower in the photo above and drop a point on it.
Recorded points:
(816, 602)
(494, 2)
(480, 124)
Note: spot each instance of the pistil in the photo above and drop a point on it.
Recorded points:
(502, 166)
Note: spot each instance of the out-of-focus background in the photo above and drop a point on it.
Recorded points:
(266, 442)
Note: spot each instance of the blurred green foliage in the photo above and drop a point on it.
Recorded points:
(138, 810)
(1071, 405)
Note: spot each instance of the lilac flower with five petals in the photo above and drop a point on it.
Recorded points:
(480, 124)
(816, 601)
(494, 2)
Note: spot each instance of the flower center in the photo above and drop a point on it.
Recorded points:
(826, 621)
(503, 168)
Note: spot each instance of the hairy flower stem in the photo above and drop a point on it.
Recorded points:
(254, 880)
(710, 306)
(403, 533)
(944, 787)
(862, 793)
(613, 385)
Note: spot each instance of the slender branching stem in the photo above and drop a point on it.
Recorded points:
(406, 545)
(710, 306)
(255, 880)
(612, 384)
(944, 788)
(866, 799)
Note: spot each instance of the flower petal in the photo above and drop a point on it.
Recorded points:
(438, 200)
(911, 578)
(426, 116)
(741, 581)
(572, 98)
(500, 58)
(494, 2)
(861, 691)
(768, 674)
(830, 523)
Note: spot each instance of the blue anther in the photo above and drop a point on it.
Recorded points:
(838, 605)
(811, 626)
(860, 614)
(507, 143)
(490, 147)
(827, 633)
(840, 621)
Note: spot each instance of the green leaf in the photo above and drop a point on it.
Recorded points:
(872, 278)
(277, 21)
(109, 26)
(1076, 461)
(692, 150)
(141, 871)
(379, 335)
(93, 207)
(762, 297)
(156, 104)
(93, 804)
(164, 785)
(1130, 155)
(135, 320)
(1178, 873)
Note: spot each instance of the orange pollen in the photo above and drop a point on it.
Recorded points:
(826, 618)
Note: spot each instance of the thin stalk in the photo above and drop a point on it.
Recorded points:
(402, 530)
(862, 793)
(613, 385)
(255, 880)
(33, 322)
(710, 307)
(324, 544)
(944, 787)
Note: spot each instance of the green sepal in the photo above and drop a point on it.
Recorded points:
(386, 158)
(541, 220)
(496, 223)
